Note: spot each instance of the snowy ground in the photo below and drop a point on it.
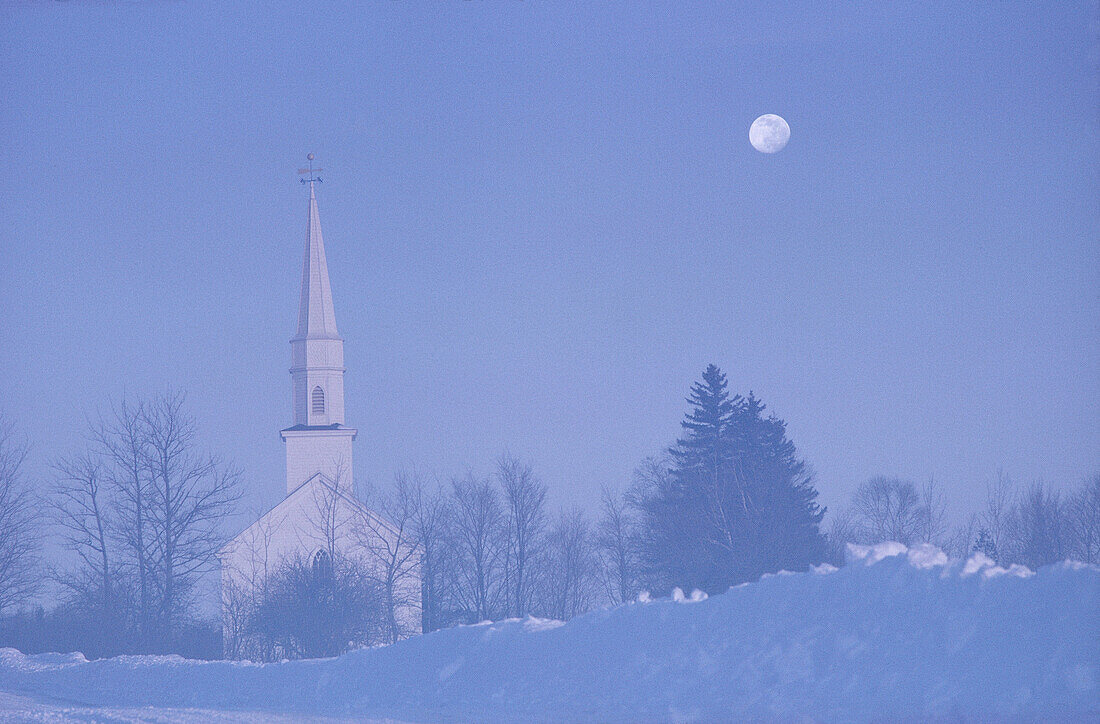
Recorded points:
(896, 634)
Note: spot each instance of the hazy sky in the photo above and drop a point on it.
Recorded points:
(544, 219)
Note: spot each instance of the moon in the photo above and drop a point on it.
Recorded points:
(769, 133)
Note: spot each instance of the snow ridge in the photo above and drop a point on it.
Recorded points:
(896, 633)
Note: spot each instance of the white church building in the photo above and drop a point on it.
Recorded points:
(320, 517)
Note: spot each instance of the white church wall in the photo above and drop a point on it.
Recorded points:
(315, 517)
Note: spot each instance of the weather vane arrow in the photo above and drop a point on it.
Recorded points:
(311, 171)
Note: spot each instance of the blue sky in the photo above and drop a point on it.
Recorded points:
(544, 219)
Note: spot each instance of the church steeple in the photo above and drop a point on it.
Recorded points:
(316, 317)
(317, 351)
(318, 440)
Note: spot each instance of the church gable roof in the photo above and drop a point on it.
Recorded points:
(299, 505)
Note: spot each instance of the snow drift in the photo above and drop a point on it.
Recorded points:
(896, 633)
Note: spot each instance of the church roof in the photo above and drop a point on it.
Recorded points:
(300, 504)
(316, 317)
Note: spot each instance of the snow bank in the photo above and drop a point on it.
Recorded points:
(896, 633)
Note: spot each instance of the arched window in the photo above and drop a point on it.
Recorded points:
(318, 401)
(322, 566)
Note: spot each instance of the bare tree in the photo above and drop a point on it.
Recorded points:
(190, 494)
(887, 509)
(1000, 499)
(932, 516)
(121, 442)
(615, 548)
(431, 518)
(842, 531)
(571, 580)
(80, 507)
(331, 523)
(238, 612)
(653, 480)
(246, 574)
(19, 530)
(1084, 515)
(1037, 529)
(388, 535)
(964, 538)
(524, 503)
(477, 535)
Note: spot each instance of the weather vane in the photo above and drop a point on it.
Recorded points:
(311, 171)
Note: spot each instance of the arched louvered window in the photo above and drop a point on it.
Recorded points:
(318, 401)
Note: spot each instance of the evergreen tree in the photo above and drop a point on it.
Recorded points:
(781, 522)
(705, 449)
(736, 503)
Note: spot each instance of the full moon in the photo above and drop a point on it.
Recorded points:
(769, 133)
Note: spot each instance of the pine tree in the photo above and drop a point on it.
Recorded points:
(693, 513)
(705, 449)
(736, 503)
(781, 516)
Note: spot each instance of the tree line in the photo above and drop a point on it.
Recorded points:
(466, 550)
(1033, 525)
(730, 500)
(139, 512)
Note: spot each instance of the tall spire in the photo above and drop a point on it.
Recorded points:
(317, 351)
(318, 441)
(316, 317)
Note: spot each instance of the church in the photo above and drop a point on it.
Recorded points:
(320, 519)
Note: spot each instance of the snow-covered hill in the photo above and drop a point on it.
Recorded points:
(895, 634)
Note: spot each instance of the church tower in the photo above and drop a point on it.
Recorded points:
(318, 441)
(320, 514)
